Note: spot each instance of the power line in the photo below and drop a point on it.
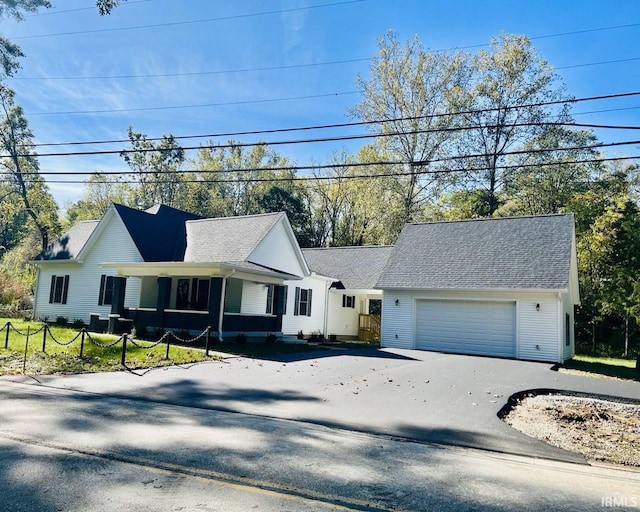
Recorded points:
(190, 22)
(418, 163)
(196, 73)
(92, 8)
(266, 68)
(358, 123)
(368, 176)
(325, 139)
(174, 107)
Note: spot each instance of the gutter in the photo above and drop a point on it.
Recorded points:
(223, 291)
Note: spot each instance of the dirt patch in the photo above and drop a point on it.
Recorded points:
(599, 429)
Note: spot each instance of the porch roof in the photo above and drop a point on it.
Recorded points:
(195, 269)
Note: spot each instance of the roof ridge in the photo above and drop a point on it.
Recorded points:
(250, 216)
(481, 219)
(347, 247)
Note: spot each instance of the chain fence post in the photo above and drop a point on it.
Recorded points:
(26, 346)
(206, 346)
(6, 338)
(44, 338)
(124, 349)
(166, 356)
(82, 341)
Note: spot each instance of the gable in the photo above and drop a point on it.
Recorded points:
(110, 241)
(279, 250)
(69, 245)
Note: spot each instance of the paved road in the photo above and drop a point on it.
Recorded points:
(71, 450)
(425, 396)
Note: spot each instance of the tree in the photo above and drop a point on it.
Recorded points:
(10, 53)
(550, 176)
(233, 178)
(156, 167)
(278, 199)
(509, 82)
(100, 191)
(407, 98)
(20, 167)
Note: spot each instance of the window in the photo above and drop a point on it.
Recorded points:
(270, 299)
(59, 289)
(567, 330)
(192, 294)
(349, 301)
(302, 303)
(106, 290)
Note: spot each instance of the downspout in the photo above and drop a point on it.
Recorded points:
(223, 291)
(35, 294)
(325, 326)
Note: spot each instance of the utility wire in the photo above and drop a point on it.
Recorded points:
(416, 163)
(189, 22)
(358, 123)
(267, 68)
(363, 176)
(175, 107)
(92, 8)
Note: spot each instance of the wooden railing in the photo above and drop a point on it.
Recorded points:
(369, 328)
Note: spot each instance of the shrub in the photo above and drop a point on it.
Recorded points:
(62, 320)
(78, 323)
(300, 335)
(272, 338)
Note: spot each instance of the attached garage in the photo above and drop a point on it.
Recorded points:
(503, 287)
(466, 327)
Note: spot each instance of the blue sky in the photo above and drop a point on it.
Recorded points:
(215, 47)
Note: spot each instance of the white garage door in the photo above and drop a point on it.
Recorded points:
(466, 327)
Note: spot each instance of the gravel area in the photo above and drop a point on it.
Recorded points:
(601, 430)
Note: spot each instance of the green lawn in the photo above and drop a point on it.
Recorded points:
(604, 366)
(59, 359)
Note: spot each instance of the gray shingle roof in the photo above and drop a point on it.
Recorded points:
(358, 268)
(497, 253)
(69, 244)
(227, 239)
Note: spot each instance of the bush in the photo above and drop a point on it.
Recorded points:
(272, 338)
(62, 320)
(77, 323)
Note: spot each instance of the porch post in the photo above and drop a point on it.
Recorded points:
(278, 298)
(215, 296)
(117, 302)
(164, 294)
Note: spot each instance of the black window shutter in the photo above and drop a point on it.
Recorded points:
(65, 289)
(296, 304)
(103, 278)
(53, 288)
(286, 293)
(309, 303)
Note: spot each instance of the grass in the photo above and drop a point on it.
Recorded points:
(604, 367)
(59, 359)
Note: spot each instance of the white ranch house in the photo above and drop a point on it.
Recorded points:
(502, 287)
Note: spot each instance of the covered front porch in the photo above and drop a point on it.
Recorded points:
(229, 299)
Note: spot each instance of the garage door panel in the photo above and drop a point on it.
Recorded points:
(468, 327)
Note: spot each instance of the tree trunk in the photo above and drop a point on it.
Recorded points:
(626, 334)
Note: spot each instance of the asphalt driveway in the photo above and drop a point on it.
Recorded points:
(420, 396)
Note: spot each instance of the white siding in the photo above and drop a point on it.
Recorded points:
(291, 323)
(538, 330)
(345, 321)
(278, 251)
(113, 244)
(254, 298)
(398, 320)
